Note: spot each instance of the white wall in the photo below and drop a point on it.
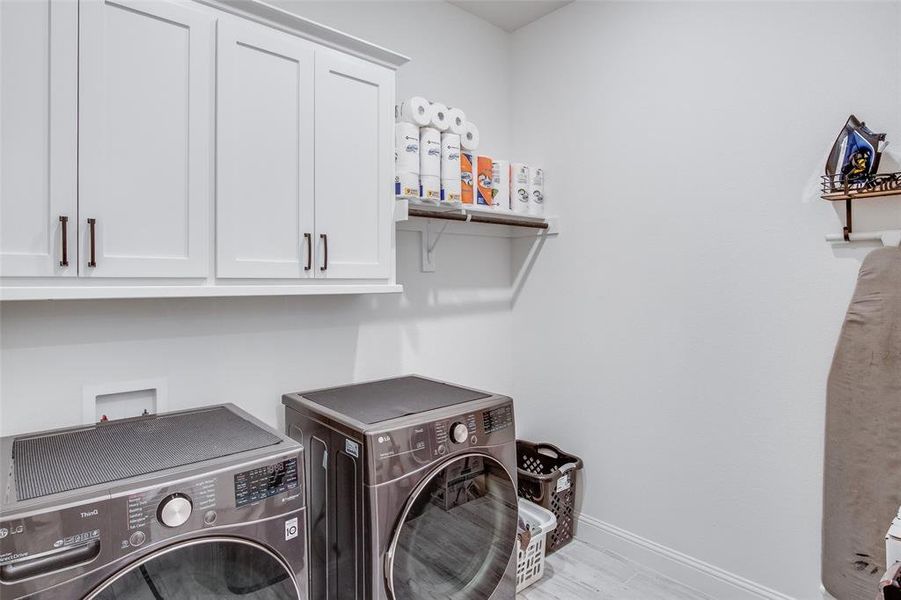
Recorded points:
(453, 324)
(677, 335)
(679, 332)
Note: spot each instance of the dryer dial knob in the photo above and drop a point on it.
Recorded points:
(459, 433)
(175, 510)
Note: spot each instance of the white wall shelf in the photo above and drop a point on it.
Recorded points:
(890, 237)
(461, 219)
(433, 220)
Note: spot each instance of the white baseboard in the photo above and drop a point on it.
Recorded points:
(704, 577)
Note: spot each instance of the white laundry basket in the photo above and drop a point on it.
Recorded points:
(530, 560)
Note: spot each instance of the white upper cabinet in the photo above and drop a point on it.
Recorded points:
(354, 167)
(145, 138)
(191, 148)
(264, 196)
(38, 138)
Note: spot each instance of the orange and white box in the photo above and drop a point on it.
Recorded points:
(484, 176)
(467, 178)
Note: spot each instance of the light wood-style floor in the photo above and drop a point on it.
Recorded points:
(579, 571)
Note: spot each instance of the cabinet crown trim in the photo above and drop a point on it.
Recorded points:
(265, 13)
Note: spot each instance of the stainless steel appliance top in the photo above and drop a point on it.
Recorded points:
(379, 401)
(80, 457)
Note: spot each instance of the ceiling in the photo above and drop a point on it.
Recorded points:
(510, 15)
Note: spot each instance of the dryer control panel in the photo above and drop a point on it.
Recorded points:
(411, 447)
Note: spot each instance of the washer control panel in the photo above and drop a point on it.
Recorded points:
(221, 498)
(170, 507)
(262, 482)
(140, 514)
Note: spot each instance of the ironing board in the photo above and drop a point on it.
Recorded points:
(862, 488)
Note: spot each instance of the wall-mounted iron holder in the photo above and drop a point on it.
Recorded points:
(837, 188)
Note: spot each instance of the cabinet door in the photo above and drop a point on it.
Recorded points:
(354, 166)
(264, 195)
(145, 129)
(38, 141)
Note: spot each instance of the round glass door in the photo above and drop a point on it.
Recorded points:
(204, 569)
(457, 533)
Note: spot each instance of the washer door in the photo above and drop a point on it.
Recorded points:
(456, 534)
(204, 568)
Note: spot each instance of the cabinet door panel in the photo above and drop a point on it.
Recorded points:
(354, 164)
(145, 119)
(265, 153)
(38, 141)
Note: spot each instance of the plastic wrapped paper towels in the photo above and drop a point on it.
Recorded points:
(519, 188)
(467, 177)
(484, 177)
(500, 184)
(536, 192)
(435, 157)
(430, 163)
(406, 160)
(451, 184)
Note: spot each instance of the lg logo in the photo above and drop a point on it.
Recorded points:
(4, 531)
(291, 528)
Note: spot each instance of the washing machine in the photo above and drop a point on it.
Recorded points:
(411, 490)
(197, 504)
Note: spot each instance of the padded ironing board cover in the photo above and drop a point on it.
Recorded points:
(863, 433)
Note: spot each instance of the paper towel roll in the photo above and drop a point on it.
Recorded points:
(467, 178)
(484, 175)
(519, 187)
(456, 121)
(430, 187)
(500, 184)
(536, 192)
(414, 110)
(406, 148)
(438, 117)
(450, 156)
(451, 190)
(429, 152)
(469, 139)
(406, 185)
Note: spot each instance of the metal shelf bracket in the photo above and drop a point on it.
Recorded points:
(429, 243)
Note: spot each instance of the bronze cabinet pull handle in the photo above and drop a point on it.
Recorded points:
(64, 225)
(308, 238)
(92, 262)
(324, 238)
